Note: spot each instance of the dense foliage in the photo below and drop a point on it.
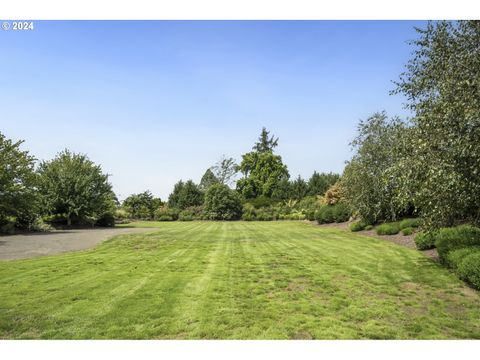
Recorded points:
(208, 179)
(319, 183)
(185, 194)
(141, 206)
(72, 186)
(262, 173)
(448, 239)
(425, 240)
(19, 200)
(369, 178)
(441, 83)
(222, 203)
(388, 228)
(458, 248)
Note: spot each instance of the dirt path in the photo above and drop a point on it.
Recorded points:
(40, 244)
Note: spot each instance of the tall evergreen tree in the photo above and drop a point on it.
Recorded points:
(265, 142)
(208, 179)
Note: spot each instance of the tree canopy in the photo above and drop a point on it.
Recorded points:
(442, 85)
(222, 203)
(142, 206)
(262, 173)
(73, 186)
(225, 170)
(369, 181)
(18, 181)
(185, 194)
(265, 143)
(208, 179)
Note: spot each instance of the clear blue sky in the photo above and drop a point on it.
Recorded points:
(155, 102)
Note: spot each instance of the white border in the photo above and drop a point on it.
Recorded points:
(238, 9)
(238, 350)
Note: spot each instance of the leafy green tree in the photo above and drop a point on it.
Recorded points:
(141, 206)
(299, 188)
(18, 192)
(185, 194)
(225, 170)
(283, 190)
(262, 174)
(368, 179)
(222, 203)
(208, 179)
(441, 83)
(262, 171)
(265, 142)
(73, 186)
(319, 183)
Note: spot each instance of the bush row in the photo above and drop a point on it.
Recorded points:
(458, 248)
(406, 226)
(339, 212)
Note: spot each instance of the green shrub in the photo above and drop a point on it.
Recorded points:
(106, 220)
(388, 229)
(56, 219)
(40, 226)
(425, 241)
(469, 268)
(166, 213)
(222, 203)
(185, 216)
(358, 225)
(455, 257)
(121, 214)
(308, 206)
(341, 212)
(248, 212)
(368, 227)
(265, 214)
(448, 239)
(248, 217)
(410, 223)
(191, 213)
(325, 215)
(261, 202)
(292, 216)
(7, 226)
(407, 231)
(165, 218)
(310, 214)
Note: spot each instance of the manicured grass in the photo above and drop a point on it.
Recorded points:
(237, 280)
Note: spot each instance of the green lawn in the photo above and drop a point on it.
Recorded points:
(237, 280)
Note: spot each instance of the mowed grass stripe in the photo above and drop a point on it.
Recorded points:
(236, 280)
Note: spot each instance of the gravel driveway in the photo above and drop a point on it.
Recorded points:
(39, 244)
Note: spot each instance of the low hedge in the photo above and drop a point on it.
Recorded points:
(325, 215)
(455, 257)
(358, 225)
(410, 223)
(333, 213)
(408, 231)
(469, 268)
(388, 229)
(166, 213)
(448, 239)
(425, 241)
